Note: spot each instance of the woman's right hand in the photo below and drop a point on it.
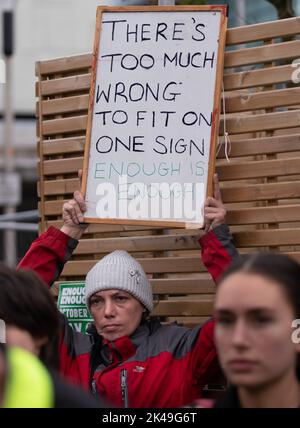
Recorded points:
(73, 214)
(214, 209)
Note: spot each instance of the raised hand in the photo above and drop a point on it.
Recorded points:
(73, 213)
(214, 209)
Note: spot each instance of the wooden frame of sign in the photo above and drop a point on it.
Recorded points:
(150, 121)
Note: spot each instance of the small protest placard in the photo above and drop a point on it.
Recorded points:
(71, 302)
(153, 114)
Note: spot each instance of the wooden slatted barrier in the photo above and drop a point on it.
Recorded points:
(260, 184)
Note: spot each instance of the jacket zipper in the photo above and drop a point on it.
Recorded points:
(94, 387)
(124, 388)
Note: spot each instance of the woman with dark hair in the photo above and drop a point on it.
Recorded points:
(30, 314)
(257, 303)
(32, 327)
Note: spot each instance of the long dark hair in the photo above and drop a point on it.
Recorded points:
(26, 303)
(279, 268)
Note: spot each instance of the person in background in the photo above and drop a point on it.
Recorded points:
(26, 383)
(257, 312)
(127, 358)
(32, 324)
(30, 314)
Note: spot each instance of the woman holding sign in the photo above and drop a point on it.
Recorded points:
(128, 359)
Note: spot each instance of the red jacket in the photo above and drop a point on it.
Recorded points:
(157, 366)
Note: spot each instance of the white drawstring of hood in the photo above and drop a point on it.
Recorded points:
(226, 137)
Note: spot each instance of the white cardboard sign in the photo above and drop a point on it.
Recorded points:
(153, 117)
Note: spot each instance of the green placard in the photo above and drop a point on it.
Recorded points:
(71, 302)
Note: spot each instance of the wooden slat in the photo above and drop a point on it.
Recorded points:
(272, 237)
(264, 31)
(66, 64)
(259, 192)
(259, 169)
(63, 166)
(65, 105)
(63, 146)
(262, 54)
(189, 322)
(64, 85)
(262, 122)
(150, 265)
(257, 215)
(54, 207)
(61, 187)
(264, 145)
(261, 77)
(81, 267)
(105, 228)
(180, 286)
(187, 308)
(138, 244)
(65, 125)
(260, 100)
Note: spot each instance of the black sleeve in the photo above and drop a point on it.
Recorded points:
(71, 396)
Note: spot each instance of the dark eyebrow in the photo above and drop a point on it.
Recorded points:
(95, 296)
(120, 292)
(223, 313)
(259, 311)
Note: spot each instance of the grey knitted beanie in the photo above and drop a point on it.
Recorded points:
(118, 270)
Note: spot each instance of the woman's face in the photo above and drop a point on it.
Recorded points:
(116, 313)
(253, 330)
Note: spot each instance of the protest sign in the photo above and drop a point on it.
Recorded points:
(71, 302)
(153, 114)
